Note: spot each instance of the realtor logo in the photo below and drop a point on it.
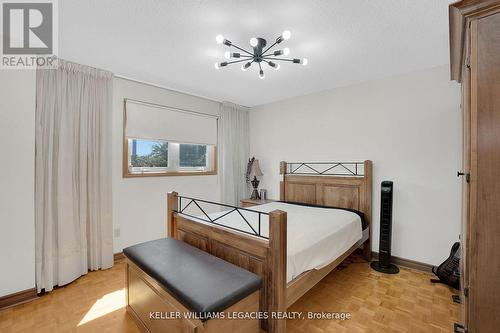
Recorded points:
(29, 32)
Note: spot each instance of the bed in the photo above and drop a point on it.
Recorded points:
(324, 215)
(328, 233)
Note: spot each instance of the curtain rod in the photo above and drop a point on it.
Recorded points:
(170, 89)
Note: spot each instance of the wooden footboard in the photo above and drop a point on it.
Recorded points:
(266, 258)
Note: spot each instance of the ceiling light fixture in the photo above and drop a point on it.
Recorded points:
(259, 55)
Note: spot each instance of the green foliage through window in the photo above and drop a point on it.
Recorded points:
(148, 153)
(150, 156)
(192, 155)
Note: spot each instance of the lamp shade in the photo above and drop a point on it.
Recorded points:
(255, 170)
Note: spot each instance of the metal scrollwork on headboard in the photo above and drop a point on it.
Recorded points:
(330, 184)
(354, 169)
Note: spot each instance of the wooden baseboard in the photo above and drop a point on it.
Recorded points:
(419, 266)
(18, 298)
(118, 256)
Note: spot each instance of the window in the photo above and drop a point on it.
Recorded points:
(193, 156)
(186, 143)
(148, 155)
(157, 157)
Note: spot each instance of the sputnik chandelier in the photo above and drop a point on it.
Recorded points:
(260, 54)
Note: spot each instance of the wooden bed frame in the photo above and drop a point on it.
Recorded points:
(267, 257)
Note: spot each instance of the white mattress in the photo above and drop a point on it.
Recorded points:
(316, 236)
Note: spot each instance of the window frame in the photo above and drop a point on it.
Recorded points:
(172, 169)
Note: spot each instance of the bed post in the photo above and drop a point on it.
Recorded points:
(277, 270)
(172, 206)
(367, 209)
(282, 182)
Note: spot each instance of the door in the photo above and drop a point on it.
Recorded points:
(484, 237)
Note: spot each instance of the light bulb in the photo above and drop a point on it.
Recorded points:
(217, 66)
(286, 51)
(253, 42)
(227, 55)
(304, 62)
(277, 67)
(261, 74)
(286, 34)
(219, 39)
(243, 68)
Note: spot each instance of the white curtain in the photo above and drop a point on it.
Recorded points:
(73, 219)
(234, 146)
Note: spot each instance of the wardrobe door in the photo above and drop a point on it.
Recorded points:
(466, 154)
(484, 245)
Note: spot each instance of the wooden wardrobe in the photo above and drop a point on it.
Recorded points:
(475, 63)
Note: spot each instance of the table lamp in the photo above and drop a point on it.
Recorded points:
(254, 173)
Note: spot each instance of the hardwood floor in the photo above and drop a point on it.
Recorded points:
(406, 302)
(379, 303)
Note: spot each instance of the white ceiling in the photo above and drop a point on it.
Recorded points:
(172, 42)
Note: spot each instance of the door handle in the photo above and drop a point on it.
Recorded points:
(467, 176)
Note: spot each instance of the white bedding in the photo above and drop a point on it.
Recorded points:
(316, 236)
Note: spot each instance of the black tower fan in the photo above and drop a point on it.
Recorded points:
(384, 253)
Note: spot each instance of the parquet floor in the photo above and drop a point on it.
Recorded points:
(406, 302)
(378, 303)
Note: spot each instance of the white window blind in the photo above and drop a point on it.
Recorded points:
(150, 121)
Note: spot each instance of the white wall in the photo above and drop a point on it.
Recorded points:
(17, 135)
(139, 204)
(409, 126)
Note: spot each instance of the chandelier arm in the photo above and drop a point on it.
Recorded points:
(271, 55)
(270, 47)
(280, 59)
(236, 61)
(265, 61)
(239, 48)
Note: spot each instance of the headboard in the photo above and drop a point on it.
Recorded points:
(331, 184)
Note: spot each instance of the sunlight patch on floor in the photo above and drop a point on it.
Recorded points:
(105, 305)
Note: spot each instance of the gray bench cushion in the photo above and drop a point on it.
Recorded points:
(201, 282)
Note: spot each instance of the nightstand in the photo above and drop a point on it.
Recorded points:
(250, 202)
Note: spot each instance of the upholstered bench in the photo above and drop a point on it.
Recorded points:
(174, 287)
